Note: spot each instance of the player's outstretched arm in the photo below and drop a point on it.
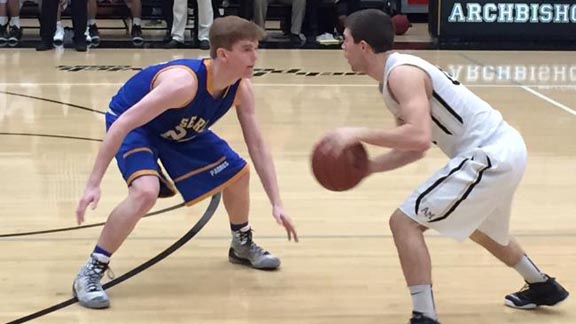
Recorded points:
(173, 88)
(260, 155)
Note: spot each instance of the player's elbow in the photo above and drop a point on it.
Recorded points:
(421, 145)
(416, 155)
(419, 138)
(420, 142)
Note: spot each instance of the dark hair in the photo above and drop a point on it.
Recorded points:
(226, 31)
(372, 26)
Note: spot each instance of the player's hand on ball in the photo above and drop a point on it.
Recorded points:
(337, 140)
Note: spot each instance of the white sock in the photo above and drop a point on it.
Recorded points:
(136, 21)
(3, 20)
(528, 270)
(91, 22)
(237, 234)
(15, 21)
(101, 257)
(423, 300)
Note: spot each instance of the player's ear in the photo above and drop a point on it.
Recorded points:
(364, 46)
(221, 53)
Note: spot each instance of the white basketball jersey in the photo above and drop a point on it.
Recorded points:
(461, 121)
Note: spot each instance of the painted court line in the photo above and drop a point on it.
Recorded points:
(550, 100)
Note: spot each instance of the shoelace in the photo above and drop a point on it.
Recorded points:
(245, 236)
(94, 272)
(525, 292)
(255, 250)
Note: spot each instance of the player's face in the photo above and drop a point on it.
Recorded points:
(243, 57)
(352, 51)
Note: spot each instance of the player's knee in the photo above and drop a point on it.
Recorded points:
(145, 197)
(144, 193)
(401, 223)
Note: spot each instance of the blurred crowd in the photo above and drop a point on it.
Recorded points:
(301, 22)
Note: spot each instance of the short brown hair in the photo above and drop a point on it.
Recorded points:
(226, 31)
(372, 26)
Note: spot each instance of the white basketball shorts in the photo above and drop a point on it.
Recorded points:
(474, 191)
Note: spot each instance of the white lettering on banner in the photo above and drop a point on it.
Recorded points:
(558, 13)
(551, 73)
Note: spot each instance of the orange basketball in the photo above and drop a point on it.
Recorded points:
(401, 24)
(342, 172)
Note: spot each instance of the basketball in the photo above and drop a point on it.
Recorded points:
(342, 172)
(401, 24)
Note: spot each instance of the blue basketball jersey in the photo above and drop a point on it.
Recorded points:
(197, 160)
(180, 124)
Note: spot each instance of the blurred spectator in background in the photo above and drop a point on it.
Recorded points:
(92, 33)
(204, 15)
(48, 17)
(298, 12)
(10, 34)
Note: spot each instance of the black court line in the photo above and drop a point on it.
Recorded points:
(54, 101)
(53, 136)
(73, 228)
(210, 210)
(65, 229)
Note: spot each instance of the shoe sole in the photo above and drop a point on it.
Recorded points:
(533, 306)
(137, 41)
(525, 307)
(102, 306)
(94, 42)
(245, 262)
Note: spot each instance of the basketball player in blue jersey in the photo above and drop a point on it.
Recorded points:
(471, 196)
(164, 113)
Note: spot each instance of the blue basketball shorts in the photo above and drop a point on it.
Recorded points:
(199, 167)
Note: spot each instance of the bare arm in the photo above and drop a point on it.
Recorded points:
(260, 154)
(394, 160)
(411, 137)
(410, 88)
(257, 149)
(171, 89)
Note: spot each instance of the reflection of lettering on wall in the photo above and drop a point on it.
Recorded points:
(519, 73)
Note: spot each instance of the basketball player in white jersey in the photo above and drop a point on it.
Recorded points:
(469, 197)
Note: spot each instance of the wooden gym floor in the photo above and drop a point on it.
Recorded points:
(345, 268)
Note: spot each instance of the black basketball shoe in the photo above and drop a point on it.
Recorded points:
(532, 295)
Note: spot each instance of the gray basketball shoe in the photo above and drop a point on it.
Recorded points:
(244, 251)
(87, 287)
